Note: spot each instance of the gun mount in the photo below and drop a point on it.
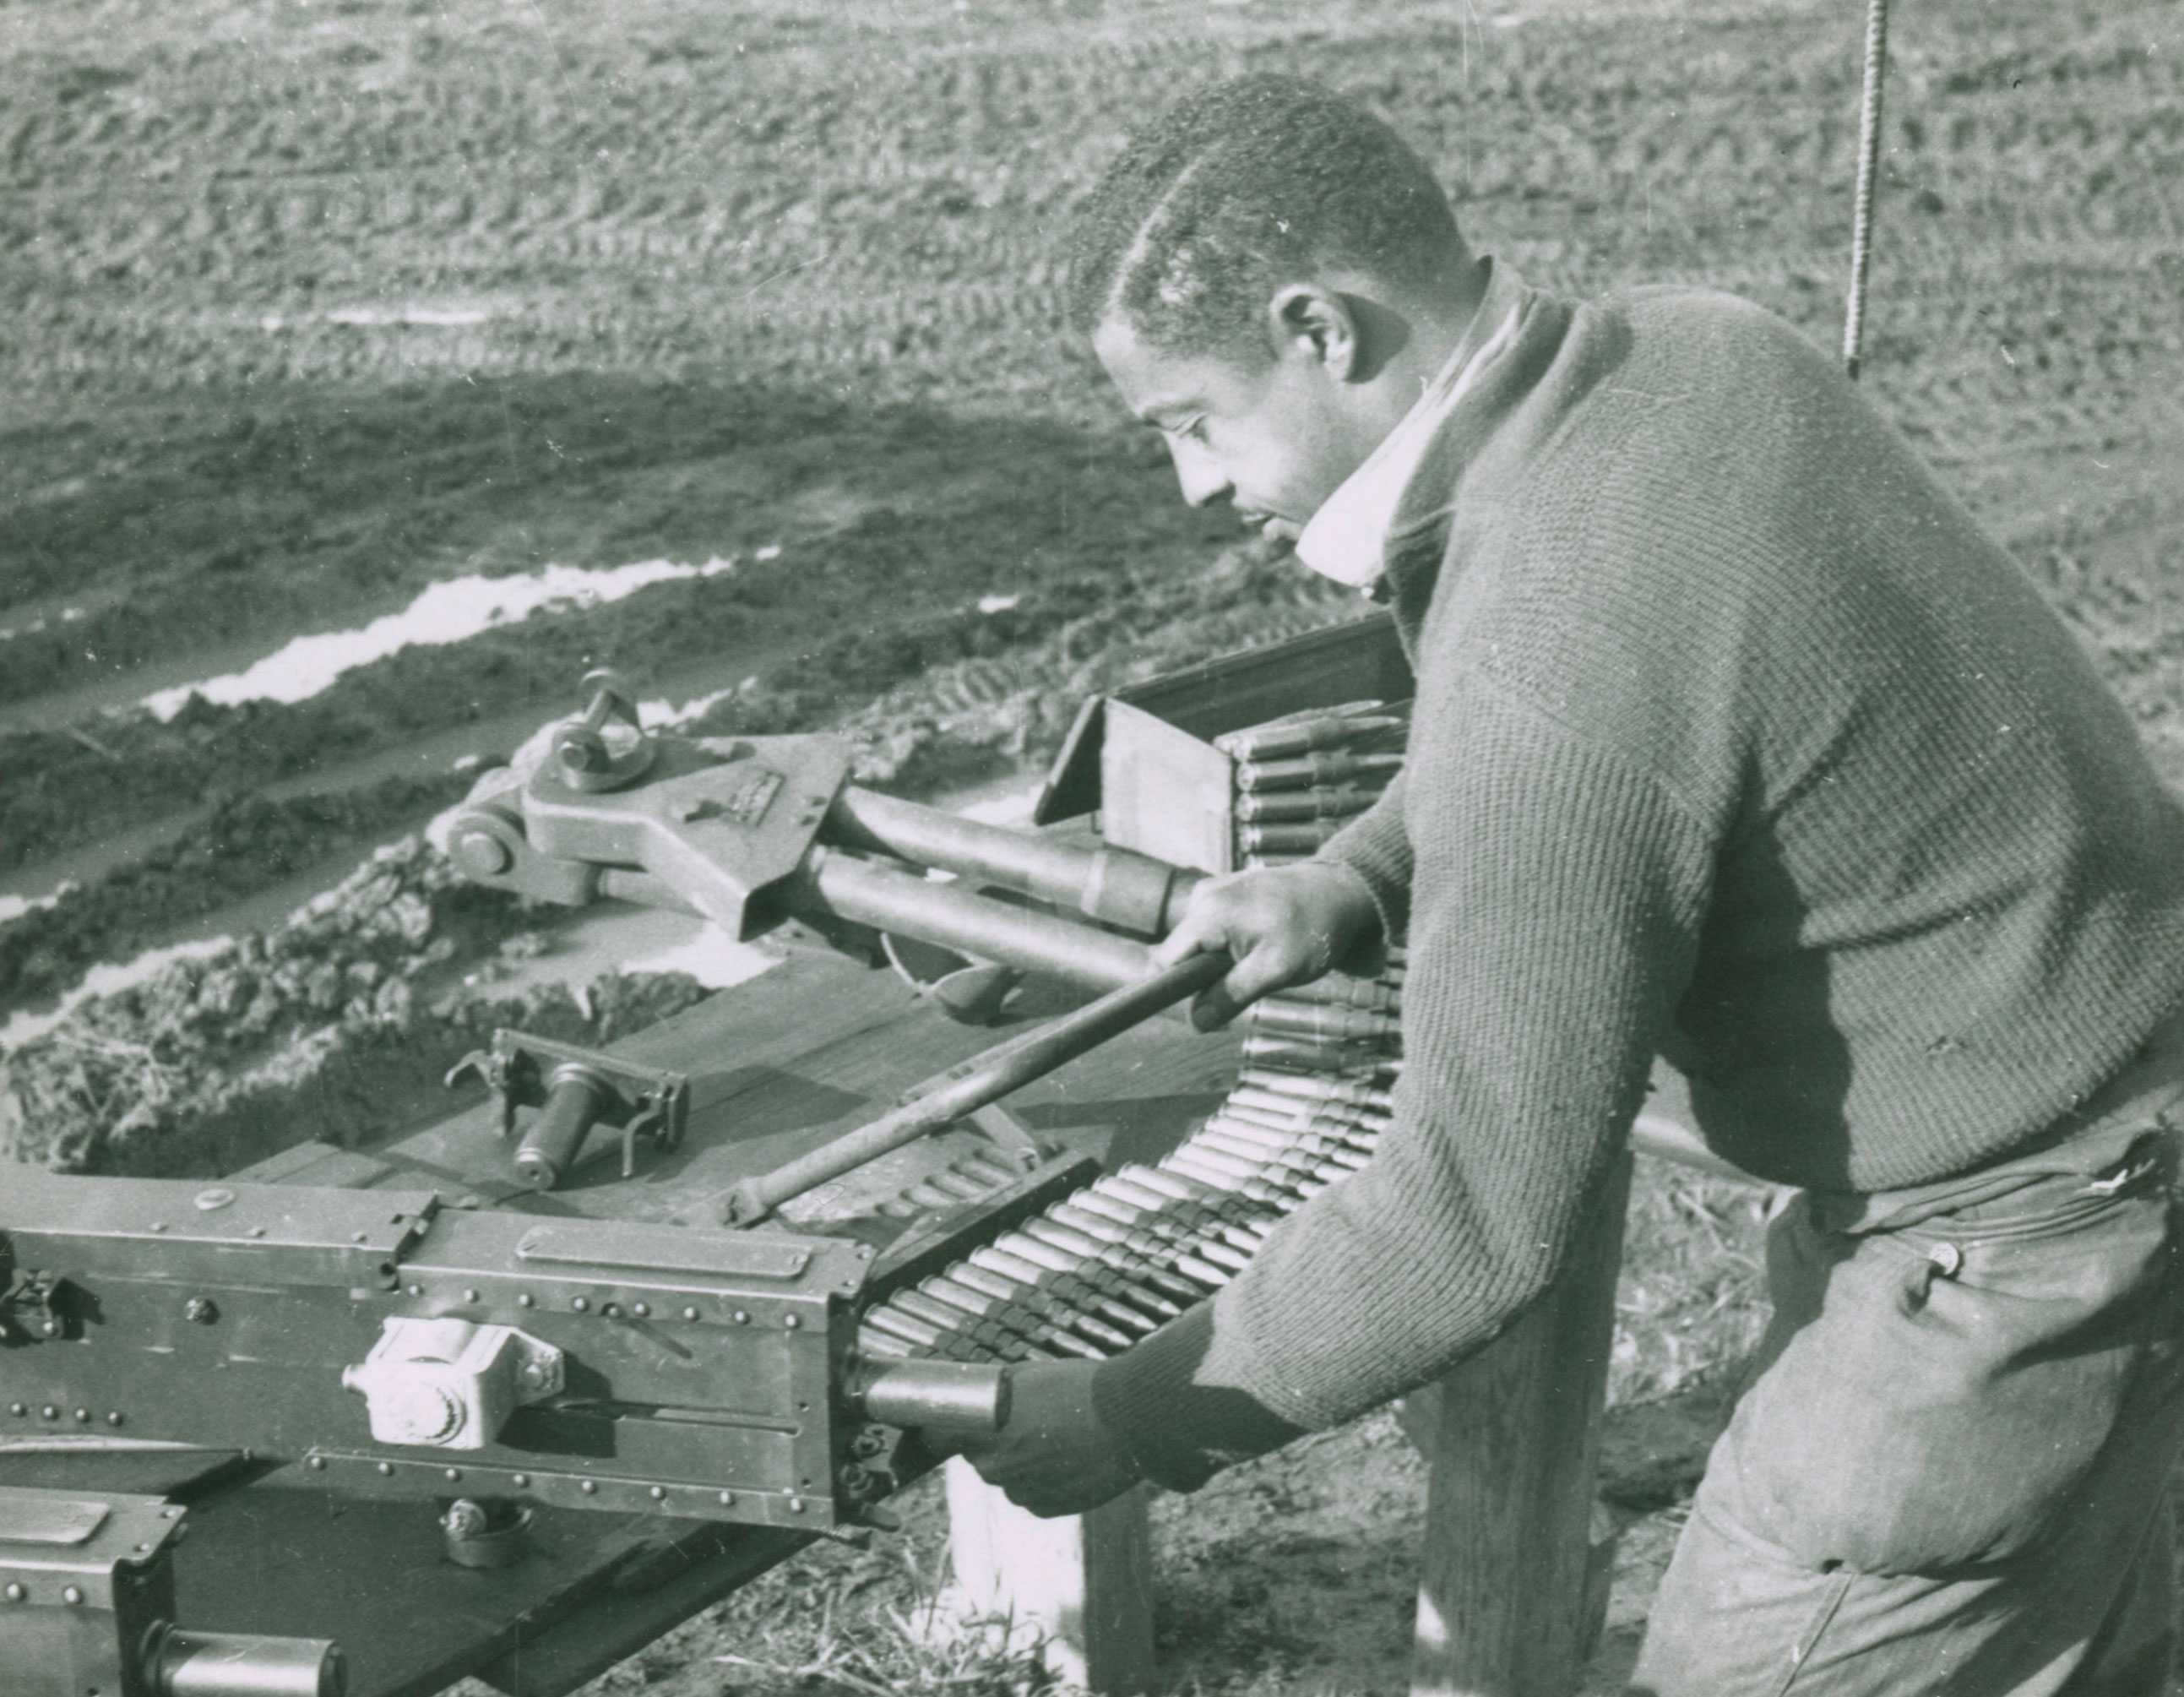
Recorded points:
(746, 831)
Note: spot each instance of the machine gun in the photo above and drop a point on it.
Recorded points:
(452, 1357)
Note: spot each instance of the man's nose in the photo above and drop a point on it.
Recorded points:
(1203, 482)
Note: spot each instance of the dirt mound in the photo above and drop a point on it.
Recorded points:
(319, 1027)
(247, 844)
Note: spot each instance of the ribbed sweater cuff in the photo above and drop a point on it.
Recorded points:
(1382, 865)
(1162, 1400)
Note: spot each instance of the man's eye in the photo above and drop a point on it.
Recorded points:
(1193, 432)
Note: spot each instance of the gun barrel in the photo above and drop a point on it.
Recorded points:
(1115, 886)
(889, 899)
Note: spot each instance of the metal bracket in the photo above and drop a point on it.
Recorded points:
(489, 845)
(709, 823)
(721, 821)
(574, 1089)
(30, 1309)
(716, 822)
(592, 760)
(1009, 1134)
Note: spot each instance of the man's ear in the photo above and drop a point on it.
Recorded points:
(1306, 320)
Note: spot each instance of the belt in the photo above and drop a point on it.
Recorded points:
(2123, 1128)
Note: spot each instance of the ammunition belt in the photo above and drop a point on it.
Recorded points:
(1115, 1260)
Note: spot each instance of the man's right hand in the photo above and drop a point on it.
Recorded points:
(1284, 925)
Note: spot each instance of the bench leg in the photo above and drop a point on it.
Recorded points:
(1513, 1588)
(1083, 1581)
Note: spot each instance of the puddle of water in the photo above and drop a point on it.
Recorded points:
(446, 613)
(416, 313)
(666, 715)
(435, 317)
(106, 980)
(66, 615)
(709, 956)
(15, 906)
(1006, 801)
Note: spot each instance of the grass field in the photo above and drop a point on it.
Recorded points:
(310, 304)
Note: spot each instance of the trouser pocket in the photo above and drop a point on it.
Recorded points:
(1931, 1397)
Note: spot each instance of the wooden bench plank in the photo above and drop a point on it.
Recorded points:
(1081, 1582)
(1512, 1591)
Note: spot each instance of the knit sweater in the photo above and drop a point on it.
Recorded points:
(1734, 741)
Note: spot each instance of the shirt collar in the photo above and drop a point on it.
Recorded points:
(1347, 537)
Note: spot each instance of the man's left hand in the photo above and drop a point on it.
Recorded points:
(1053, 1456)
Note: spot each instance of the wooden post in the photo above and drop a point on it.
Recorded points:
(1513, 1591)
(1083, 1582)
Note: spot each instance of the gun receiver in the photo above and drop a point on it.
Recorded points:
(391, 1345)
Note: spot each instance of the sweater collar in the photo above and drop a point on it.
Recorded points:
(1348, 538)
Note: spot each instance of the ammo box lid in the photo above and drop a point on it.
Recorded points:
(1144, 758)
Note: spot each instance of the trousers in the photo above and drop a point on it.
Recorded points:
(1951, 1471)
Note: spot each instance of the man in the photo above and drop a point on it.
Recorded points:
(1735, 742)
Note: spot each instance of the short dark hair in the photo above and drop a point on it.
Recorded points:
(1246, 183)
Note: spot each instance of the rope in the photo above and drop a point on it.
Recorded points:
(1869, 160)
